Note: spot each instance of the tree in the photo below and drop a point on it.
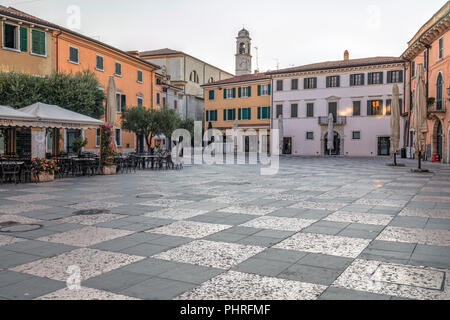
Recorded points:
(77, 92)
(141, 121)
(187, 124)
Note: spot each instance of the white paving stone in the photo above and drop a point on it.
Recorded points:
(363, 218)
(101, 205)
(83, 293)
(6, 240)
(332, 206)
(211, 254)
(249, 209)
(90, 220)
(279, 223)
(190, 229)
(243, 286)
(175, 213)
(396, 280)
(325, 244)
(86, 236)
(33, 197)
(168, 203)
(91, 263)
(18, 219)
(21, 207)
(421, 236)
(382, 202)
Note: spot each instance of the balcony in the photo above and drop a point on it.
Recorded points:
(437, 107)
(339, 121)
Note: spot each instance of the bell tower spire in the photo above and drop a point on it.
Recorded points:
(243, 55)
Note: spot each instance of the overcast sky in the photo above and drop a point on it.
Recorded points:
(287, 32)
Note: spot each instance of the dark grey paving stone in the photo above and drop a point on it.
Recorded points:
(243, 230)
(310, 274)
(322, 230)
(385, 210)
(409, 222)
(263, 267)
(190, 273)
(150, 266)
(314, 214)
(116, 280)
(259, 241)
(170, 241)
(392, 246)
(383, 257)
(116, 244)
(33, 234)
(438, 224)
(355, 233)
(333, 293)
(30, 288)
(158, 289)
(145, 249)
(143, 237)
(279, 234)
(16, 258)
(427, 260)
(235, 219)
(225, 237)
(432, 250)
(287, 212)
(281, 255)
(388, 254)
(325, 261)
(8, 277)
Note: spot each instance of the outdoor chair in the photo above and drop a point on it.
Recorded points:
(11, 172)
(27, 172)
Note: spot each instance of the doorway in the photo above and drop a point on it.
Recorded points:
(140, 143)
(72, 134)
(332, 108)
(384, 146)
(439, 140)
(336, 145)
(287, 145)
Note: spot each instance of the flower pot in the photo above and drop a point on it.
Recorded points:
(109, 170)
(43, 177)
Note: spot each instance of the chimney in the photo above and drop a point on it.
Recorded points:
(346, 55)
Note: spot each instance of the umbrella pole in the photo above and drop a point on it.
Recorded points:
(395, 158)
(420, 160)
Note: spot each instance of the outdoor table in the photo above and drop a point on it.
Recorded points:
(11, 163)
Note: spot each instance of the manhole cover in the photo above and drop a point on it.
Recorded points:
(90, 212)
(149, 196)
(7, 224)
(237, 183)
(17, 227)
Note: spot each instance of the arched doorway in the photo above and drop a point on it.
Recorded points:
(439, 140)
(336, 143)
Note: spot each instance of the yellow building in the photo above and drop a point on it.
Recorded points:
(242, 100)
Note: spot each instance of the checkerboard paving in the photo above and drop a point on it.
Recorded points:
(322, 228)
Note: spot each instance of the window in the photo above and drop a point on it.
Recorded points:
(121, 102)
(356, 135)
(388, 107)
(375, 78)
(263, 113)
(211, 115)
(357, 79)
(229, 114)
(294, 84)
(99, 63)
(244, 92)
(38, 42)
(140, 101)
(118, 69)
(310, 83)
(294, 110)
(211, 94)
(264, 90)
(140, 77)
(119, 137)
(158, 98)
(73, 55)
(279, 85)
(333, 81)
(279, 111)
(439, 91)
(10, 36)
(310, 135)
(97, 138)
(194, 77)
(245, 114)
(375, 107)
(356, 108)
(229, 93)
(310, 110)
(413, 69)
(441, 48)
(395, 76)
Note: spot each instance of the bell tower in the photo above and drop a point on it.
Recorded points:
(243, 56)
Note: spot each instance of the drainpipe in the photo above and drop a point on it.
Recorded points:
(57, 50)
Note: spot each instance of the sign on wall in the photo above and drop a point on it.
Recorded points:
(38, 143)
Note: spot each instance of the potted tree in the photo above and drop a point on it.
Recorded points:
(43, 170)
(107, 150)
(78, 144)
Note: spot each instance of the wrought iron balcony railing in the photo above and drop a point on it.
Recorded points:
(339, 121)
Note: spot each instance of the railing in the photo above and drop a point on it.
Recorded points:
(438, 106)
(340, 121)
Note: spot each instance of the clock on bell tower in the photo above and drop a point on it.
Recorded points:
(243, 56)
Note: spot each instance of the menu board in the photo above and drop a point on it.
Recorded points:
(23, 142)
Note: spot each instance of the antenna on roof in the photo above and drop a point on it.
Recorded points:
(278, 63)
(257, 59)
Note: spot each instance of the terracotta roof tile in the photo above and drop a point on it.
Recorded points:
(340, 64)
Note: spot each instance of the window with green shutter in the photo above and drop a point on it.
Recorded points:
(38, 42)
(140, 76)
(23, 39)
(211, 94)
(263, 113)
(73, 54)
(99, 63)
(118, 69)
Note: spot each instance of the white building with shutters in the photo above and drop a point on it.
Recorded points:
(357, 92)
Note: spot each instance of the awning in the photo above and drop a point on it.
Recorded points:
(13, 117)
(51, 116)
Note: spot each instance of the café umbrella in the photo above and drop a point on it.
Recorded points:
(395, 122)
(330, 140)
(420, 115)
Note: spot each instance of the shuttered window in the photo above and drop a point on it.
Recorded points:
(310, 83)
(294, 84)
(294, 110)
(73, 54)
(263, 113)
(395, 76)
(118, 69)
(140, 76)
(388, 107)
(375, 107)
(211, 94)
(310, 110)
(279, 85)
(356, 108)
(211, 115)
(23, 39)
(441, 48)
(99, 63)
(310, 135)
(38, 42)
(333, 81)
(279, 111)
(375, 78)
(263, 90)
(121, 102)
(10, 36)
(357, 79)
(245, 114)
(229, 114)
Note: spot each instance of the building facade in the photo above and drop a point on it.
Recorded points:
(430, 47)
(357, 92)
(189, 74)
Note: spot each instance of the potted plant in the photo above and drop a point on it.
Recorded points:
(430, 101)
(43, 170)
(107, 150)
(78, 144)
